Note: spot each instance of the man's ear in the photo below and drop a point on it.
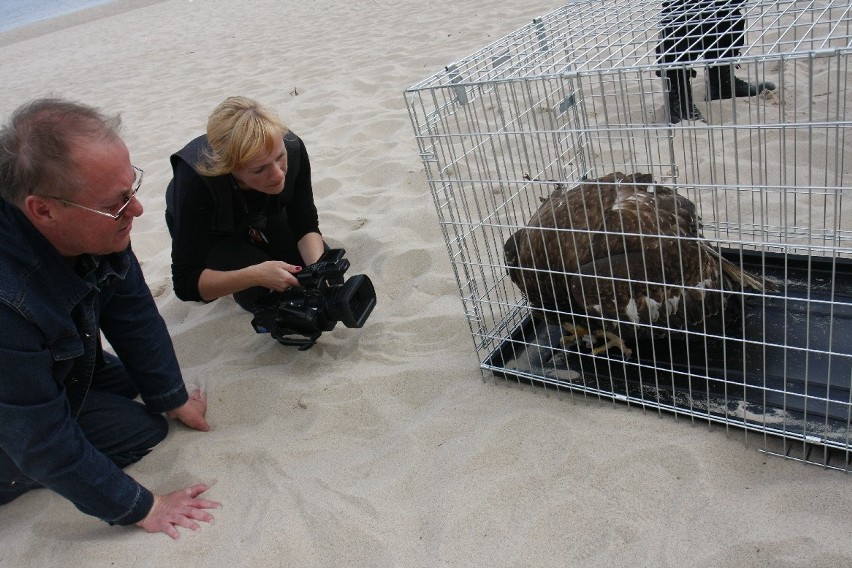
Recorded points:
(40, 210)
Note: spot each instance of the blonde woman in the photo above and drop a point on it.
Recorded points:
(240, 207)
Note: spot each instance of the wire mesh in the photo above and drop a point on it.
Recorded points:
(585, 91)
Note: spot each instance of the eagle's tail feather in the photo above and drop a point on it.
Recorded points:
(744, 277)
(738, 275)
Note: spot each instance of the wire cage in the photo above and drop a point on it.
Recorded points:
(592, 88)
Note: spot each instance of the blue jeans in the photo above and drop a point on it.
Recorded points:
(115, 424)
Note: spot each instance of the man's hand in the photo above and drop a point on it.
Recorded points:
(193, 410)
(179, 508)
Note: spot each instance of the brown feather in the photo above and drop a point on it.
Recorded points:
(624, 249)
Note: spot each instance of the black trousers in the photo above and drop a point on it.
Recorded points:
(270, 240)
(692, 29)
(234, 253)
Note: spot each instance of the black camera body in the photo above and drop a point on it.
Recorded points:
(299, 315)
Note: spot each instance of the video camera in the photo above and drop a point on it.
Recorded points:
(299, 315)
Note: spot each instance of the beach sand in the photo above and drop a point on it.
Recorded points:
(381, 446)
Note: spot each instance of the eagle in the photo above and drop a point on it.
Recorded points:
(621, 257)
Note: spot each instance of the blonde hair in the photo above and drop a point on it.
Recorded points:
(239, 130)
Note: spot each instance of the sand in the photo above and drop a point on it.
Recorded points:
(382, 446)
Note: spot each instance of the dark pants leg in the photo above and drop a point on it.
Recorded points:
(114, 423)
(13, 483)
(235, 253)
(691, 29)
(679, 102)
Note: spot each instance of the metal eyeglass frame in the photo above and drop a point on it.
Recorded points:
(117, 215)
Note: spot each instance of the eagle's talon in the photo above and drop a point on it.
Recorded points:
(577, 333)
(613, 340)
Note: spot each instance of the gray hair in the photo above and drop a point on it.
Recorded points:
(36, 146)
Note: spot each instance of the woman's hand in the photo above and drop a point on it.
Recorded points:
(272, 275)
(276, 275)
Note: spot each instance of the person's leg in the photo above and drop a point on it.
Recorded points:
(679, 102)
(118, 426)
(234, 253)
(724, 33)
(110, 419)
(723, 84)
(680, 40)
(13, 483)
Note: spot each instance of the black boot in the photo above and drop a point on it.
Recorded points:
(722, 84)
(679, 101)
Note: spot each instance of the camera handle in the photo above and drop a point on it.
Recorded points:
(303, 343)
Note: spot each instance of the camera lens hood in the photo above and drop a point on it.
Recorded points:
(353, 301)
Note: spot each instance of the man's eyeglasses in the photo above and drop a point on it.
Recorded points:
(115, 215)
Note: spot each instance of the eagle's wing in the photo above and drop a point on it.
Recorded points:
(656, 270)
(623, 251)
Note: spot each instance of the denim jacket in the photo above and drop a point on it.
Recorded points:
(51, 318)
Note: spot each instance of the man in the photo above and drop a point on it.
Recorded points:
(68, 420)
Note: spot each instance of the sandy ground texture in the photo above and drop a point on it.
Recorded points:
(382, 446)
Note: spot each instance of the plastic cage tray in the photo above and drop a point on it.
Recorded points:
(784, 365)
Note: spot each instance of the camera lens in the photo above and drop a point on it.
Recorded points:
(352, 302)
